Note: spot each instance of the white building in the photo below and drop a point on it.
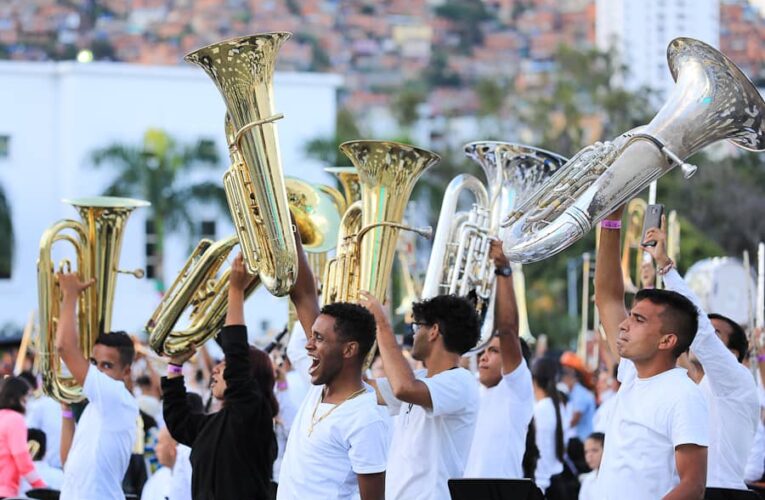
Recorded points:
(55, 114)
(640, 30)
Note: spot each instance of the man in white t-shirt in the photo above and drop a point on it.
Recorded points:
(507, 403)
(337, 446)
(437, 407)
(720, 347)
(96, 455)
(656, 442)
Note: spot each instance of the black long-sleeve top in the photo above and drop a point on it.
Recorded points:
(233, 450)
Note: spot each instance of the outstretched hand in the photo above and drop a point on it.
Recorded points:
(497, 254)
(71, 285)
(180, 358)
(373, 305)
(239, 278)
(658, 251)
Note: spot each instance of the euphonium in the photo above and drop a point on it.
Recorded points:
(349, 181)
(712, 101)
(242, 69)
(459, 262)
(97, 242)
(199, 286)
(369, 227)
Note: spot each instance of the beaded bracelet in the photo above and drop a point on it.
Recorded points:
(610, 224)
(667, 267)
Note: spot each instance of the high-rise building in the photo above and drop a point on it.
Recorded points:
(640, 31)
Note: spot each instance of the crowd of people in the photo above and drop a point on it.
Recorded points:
(672, 412)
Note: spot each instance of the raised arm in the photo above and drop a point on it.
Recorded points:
(304, 294)
(403, 383)
(506, 312)
(67, 343)
(183, 424)
(240, 389)
(719, 364)
(609, 284)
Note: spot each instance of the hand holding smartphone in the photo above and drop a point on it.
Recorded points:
(651, 219)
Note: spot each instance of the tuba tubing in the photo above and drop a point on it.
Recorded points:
(711, 101)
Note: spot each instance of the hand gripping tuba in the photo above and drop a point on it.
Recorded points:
(199, 287)
(459, 262)
(242, 69)
(712, 101)
(97, 242)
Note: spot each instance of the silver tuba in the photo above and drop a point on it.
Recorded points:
(712, 101)
(459, 262)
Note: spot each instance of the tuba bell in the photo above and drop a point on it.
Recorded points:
(459, 262)
(242, 69)
(369, 228)
(712, 101)
(97, 241)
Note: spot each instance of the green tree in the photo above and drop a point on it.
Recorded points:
(325, 149)
(405, 102)
(156, 171)
(6, 229)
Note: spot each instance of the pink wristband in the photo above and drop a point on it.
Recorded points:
(610, 224)
(174, 369)
(760, 358)
(67, 414)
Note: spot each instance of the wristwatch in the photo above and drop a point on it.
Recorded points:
(503, 271)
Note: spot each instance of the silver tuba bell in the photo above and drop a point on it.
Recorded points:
(711, 101)
(459, 262)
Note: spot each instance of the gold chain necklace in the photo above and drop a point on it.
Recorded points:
(315, 422)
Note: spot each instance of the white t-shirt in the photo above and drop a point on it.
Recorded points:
(731, 394)
(546, 422)
(651, 418)
(157, 487)
(349, 441)
(429, 447)
(587, 486)
(180, 483)
(603, 415)
(503, 420)
(102, 442)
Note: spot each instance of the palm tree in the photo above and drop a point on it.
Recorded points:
(6, 230)
(156, 171)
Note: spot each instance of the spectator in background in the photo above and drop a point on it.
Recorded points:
(37, 444)
(593, 453)
(44, 413)
(15, 462)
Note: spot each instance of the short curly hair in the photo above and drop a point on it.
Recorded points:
(353, 323)
(456, 318)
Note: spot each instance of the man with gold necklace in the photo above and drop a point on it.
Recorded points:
(338, 444)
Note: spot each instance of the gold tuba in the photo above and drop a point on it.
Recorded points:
(459, 262)
(199, 287)
(97, 242)
(369, 228)
(712, 101)
(242, 69)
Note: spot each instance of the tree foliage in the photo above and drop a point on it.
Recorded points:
(156, 171)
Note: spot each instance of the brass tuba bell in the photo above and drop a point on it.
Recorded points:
(242, 69)
(97, 241)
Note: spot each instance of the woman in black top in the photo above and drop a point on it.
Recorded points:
(233, 450)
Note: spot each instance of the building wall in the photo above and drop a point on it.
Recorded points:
(56, 114)
(641, 31)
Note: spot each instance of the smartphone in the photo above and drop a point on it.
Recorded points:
(651, 219)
